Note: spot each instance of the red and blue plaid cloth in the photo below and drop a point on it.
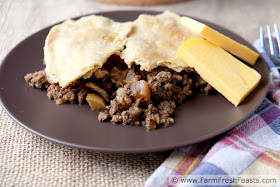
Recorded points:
(251, 148)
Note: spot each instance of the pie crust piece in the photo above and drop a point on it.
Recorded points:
(154, 41)
(75, 49)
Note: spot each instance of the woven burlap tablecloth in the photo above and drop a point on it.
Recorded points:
(29, 160)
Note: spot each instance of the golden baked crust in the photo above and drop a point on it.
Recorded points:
(154, 41)
(75, 49)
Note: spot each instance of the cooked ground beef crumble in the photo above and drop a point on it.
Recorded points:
(136, 97)
(37, 79)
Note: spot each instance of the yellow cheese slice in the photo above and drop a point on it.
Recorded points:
(221, 40)
(229, 76)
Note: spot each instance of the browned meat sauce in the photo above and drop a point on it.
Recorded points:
(137, 97)
(37, 79)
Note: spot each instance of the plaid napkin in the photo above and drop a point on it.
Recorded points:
(251, 148)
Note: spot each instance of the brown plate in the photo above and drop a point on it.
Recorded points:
(200, 118)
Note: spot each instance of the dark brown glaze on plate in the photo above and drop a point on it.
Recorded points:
(201, 118)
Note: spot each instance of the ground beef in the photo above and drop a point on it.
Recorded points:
(37, 79)
(124, 109)
(208, 89)
(169, 85)
(186, 80)
(121, 102)
(103, 116)
(53, 91)
(168, 89)
(132, 115)
(118, 76)
(160, 85)
(203, 85)
(114, 108)
(160, 115)
(123, 97)
(166, 110)
(166, 107)
(117, 118)
(61, 95)
(151, 117)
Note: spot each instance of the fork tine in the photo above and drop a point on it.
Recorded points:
(278, 38)
(262, 41)
(271, 43)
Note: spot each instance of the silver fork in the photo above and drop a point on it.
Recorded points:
(271, 50)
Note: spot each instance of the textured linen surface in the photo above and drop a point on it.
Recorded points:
(28, 160)
(251, 148)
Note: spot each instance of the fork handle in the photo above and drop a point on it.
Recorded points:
(274, 71)
(268, 60)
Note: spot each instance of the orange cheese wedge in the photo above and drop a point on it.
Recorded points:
(221, 40)
(229, 76)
